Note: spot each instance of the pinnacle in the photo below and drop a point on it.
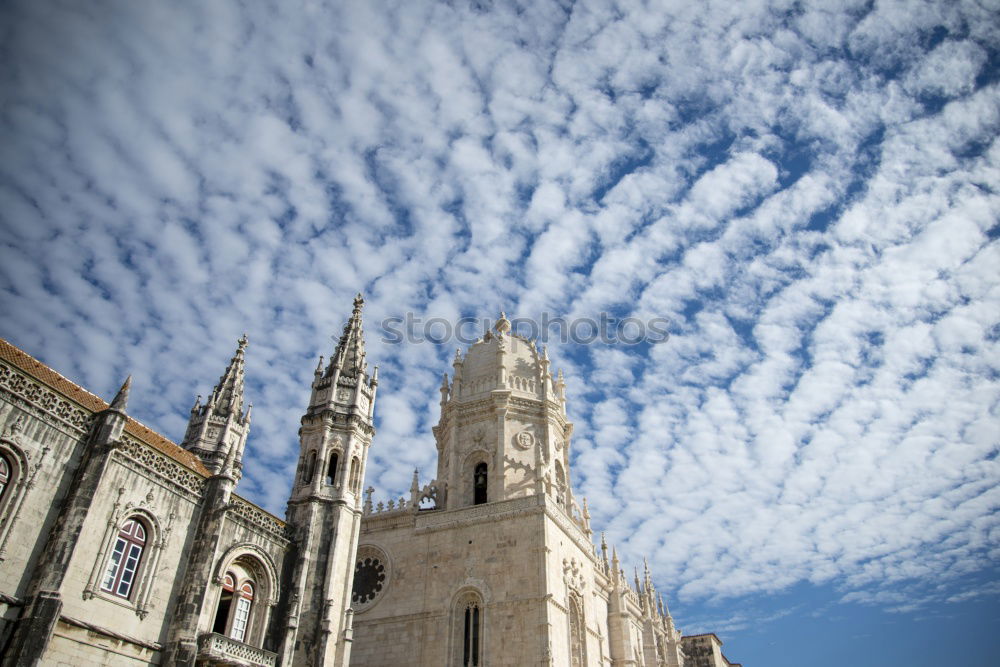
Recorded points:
(120, 401)
(350, 352)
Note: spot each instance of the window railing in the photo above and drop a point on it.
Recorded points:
(215, 647)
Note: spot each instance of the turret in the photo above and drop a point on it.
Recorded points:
(326, 502)
(217, 430)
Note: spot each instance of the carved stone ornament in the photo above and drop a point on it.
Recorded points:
(573, 574)
(524, 440)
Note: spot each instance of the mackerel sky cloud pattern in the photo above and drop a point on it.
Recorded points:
(806, 190)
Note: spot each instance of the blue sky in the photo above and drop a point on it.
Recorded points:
(807, 191)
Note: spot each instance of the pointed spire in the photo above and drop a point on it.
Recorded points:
(374, 380)
(319, 366)
(227, 397)
(350, 353)
(120, 401)
(197, 404)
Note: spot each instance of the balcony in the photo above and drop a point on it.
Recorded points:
(216, 649)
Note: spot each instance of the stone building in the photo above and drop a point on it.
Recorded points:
(120, 547)
(705, 651)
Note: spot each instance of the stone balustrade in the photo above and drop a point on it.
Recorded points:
(214, 648)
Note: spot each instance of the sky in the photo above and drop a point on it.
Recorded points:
(807, 192)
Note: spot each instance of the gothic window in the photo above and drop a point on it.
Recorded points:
(469, 628)
(235, 610)
(355, 474)
(225, 603)
(242, 614)
(307, 474)
(5, 469)
(331, 469)
(560, 484)
(479, 479)
(576, 633)
(123, 562)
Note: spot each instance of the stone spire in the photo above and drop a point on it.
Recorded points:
(120, 401)
(217, 430)
(327, 501)
(349, 356)
(227, 397)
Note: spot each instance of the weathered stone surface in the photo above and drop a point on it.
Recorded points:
(490, 563)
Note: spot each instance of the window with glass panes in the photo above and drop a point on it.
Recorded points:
(241, 616)
(123, 562)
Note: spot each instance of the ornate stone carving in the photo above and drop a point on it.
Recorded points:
(258, 518)
(524, 440)
(159, 464)
(43, 398)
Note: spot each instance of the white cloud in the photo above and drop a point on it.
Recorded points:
(778, 184)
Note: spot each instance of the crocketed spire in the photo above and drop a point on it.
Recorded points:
(350, 353)
(227, 397)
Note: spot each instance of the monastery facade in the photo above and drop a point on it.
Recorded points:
(120, 547)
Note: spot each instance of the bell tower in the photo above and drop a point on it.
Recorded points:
(324, 509)
(503, 431)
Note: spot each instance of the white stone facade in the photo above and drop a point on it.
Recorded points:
(119, 547)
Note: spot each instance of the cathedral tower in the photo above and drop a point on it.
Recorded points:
(503, 431)
(217, 431)
(324, 509)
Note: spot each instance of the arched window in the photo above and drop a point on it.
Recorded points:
(241, 617)
(235, 609)
(479, 478)
(307, 474)
(576, 645)
(225, 604)
(123, 563)
(355, 474)
(5, 469)
(331, 469)
(469, 630)
(560, 484)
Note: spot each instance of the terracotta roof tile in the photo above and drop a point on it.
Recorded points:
(75, 392)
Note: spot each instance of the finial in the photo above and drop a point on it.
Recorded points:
(444, 382)
(197, 403)
(319, 365)
(120, 401)
(502, 325)
(246, 417)
(359, 301)
(374, 380)
(243, 342)
(545, 352)
(458, 355)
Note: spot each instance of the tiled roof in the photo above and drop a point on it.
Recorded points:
(39, 371)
